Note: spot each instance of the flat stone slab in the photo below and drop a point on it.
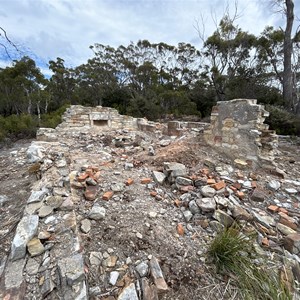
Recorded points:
(129, 293)
(37, 196)
(26, 230)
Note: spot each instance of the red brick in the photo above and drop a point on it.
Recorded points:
(283, 210)
(210, 181)
(97, 175)
(219, 185)
(288, 222)
(273, 208)
(153, 194)
(177, 202)
(129, 181)
(237, 185)
(180, 229)
(106, 196)
(240, 194)
(146, 180)
(233, 188)
(82, 177)
(265, 242)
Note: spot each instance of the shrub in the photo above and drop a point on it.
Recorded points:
(230, 253)
(284, 122)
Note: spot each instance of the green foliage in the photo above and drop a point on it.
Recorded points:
(230, 253)
(282, 121)
(51, 120)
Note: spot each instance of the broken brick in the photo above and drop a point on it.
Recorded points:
(273, 208)
(82, 177)
(210, 181)
(106, 196)
(237, 185)
(283, 210)
(219, 185)
(129, 181)
(233, 188)
(265, 242)
(180, 229)
(288, 222)
(146, 180)
(240, 194)
(153, 194)
(177, 202)
(96, 176)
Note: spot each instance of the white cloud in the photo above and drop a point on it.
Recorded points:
(66, 28)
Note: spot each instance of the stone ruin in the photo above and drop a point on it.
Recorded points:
(237, 129)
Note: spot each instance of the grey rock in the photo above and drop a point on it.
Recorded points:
(187, 215)
(240, 213)
(55, 201)
(216, 226)
(35, 153)
(2, 264)
(97, 212)
(207, 191)
(258, 195)
(37, 196)
(71, 269)
(264, 220)
(209, 163)
(3, 199)
(26, 229)
(159, 177)
(194, 208)
(129, 293)
(48, 285)
(183, 181)
(91, 181)
(157, 276)
(142, 268)
(32, 266)
(118, 187)
(95, 258)
(222, 201)
(175, 169)
(32, 208)
(164, 143)
(223, 218)
(285, 229)
(113, 277)
(14, 274)
(206, 204)
(292, 243)
(45, 211)
(291, 191)
(128, 166)
(273, 185)
(85, 225)
(151, 151)
(68, 204)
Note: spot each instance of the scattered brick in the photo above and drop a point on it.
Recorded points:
(187, 188)
(89, 171)
(265, 242)
(233, 188)
(146, 180)
(254, 184)
(288, 222)
(97, 175)
(177, 202)
(273, 208)
(210, 181)
(283, 210)
(180, 229)
(153, 194)
(219, 185)
(82, 177)
(129, 181)
(240, 194)
(237, 185)
(106, 196)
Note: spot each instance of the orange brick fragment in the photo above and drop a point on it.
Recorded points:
(233, 188)
(273, 208)
(288, 222)
(210, 181)
(153, 194)
(82, 177)
(265, 242)
(129, 181)
(97, 175)
(240, 194)
(283, 210)
(180, 229)
(106, 196)
(89, 171)
(219, 185)
(177, 202)
(253, 184)
(146, 180)
(237, 185)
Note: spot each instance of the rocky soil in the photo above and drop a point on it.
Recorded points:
(129, 215)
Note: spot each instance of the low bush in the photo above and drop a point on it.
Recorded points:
(231, 252)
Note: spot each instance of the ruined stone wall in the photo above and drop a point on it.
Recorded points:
(237, 128)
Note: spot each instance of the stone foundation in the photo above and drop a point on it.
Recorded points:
(237, 129)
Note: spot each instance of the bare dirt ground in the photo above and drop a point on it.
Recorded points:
(136, 224)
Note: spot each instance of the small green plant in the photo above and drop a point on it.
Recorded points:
(230, 253)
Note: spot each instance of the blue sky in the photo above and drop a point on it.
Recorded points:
(46, 29)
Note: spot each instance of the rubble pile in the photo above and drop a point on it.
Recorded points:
(112, 215)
